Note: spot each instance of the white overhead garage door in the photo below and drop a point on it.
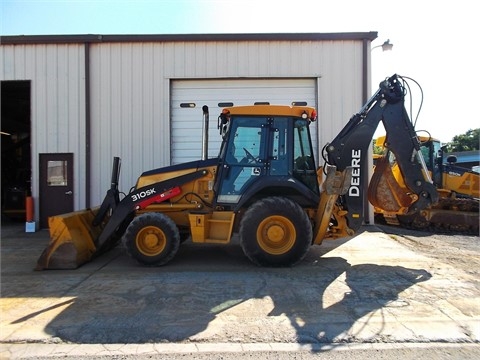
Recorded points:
(187, 120)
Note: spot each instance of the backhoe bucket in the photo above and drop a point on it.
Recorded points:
(384, 191)
(72, 240)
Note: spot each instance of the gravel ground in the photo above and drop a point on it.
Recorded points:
(460, 251)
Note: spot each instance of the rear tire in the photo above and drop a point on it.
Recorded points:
(152, 239)
(275, 232)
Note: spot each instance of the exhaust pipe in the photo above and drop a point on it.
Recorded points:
(205, 133)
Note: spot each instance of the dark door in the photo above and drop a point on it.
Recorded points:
(56, 185)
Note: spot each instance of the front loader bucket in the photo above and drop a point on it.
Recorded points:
(72, 240)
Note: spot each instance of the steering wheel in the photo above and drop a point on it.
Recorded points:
(250, 157)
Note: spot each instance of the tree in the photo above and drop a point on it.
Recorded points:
(377, 149)
(465, 142)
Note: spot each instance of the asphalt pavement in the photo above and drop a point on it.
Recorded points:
(367, 292)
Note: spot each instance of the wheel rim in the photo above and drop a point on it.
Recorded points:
(276, 235)
(151, 241)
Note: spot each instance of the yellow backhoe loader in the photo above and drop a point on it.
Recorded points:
(458, 189)
(264, 185)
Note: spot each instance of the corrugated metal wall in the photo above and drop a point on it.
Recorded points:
(131, 91)
(130, 94)
(130, 112)
(57, 75)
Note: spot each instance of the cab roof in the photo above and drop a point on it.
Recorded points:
(273, 110)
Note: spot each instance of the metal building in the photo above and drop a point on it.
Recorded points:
(72, 103)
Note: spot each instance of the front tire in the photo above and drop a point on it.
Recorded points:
(152, 239)
(275, 232)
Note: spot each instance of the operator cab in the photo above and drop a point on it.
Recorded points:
(262, 146)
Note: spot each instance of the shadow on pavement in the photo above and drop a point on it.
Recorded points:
(207, 293)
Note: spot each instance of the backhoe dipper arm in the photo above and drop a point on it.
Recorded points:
(353, 144)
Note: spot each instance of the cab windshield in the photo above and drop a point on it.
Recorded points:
(257, 146)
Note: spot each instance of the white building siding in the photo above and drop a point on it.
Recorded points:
(129, 110)
(57, 77)
(130, 90)
(340, 88)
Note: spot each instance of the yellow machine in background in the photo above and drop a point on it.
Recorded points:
(458, 189)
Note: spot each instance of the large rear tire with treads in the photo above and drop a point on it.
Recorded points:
(275, 232)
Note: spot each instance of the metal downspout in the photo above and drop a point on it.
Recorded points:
(366, 68)
(87, 126)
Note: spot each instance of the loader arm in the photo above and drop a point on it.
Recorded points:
(76, 238)
(113, 195)
(352, 146)
(139, 199)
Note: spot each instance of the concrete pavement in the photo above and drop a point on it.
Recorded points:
(365, 290)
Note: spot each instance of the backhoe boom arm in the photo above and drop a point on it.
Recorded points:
(353, 144)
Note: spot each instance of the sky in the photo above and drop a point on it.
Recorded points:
(434, 42)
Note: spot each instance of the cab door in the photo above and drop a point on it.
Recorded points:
(245, 157)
